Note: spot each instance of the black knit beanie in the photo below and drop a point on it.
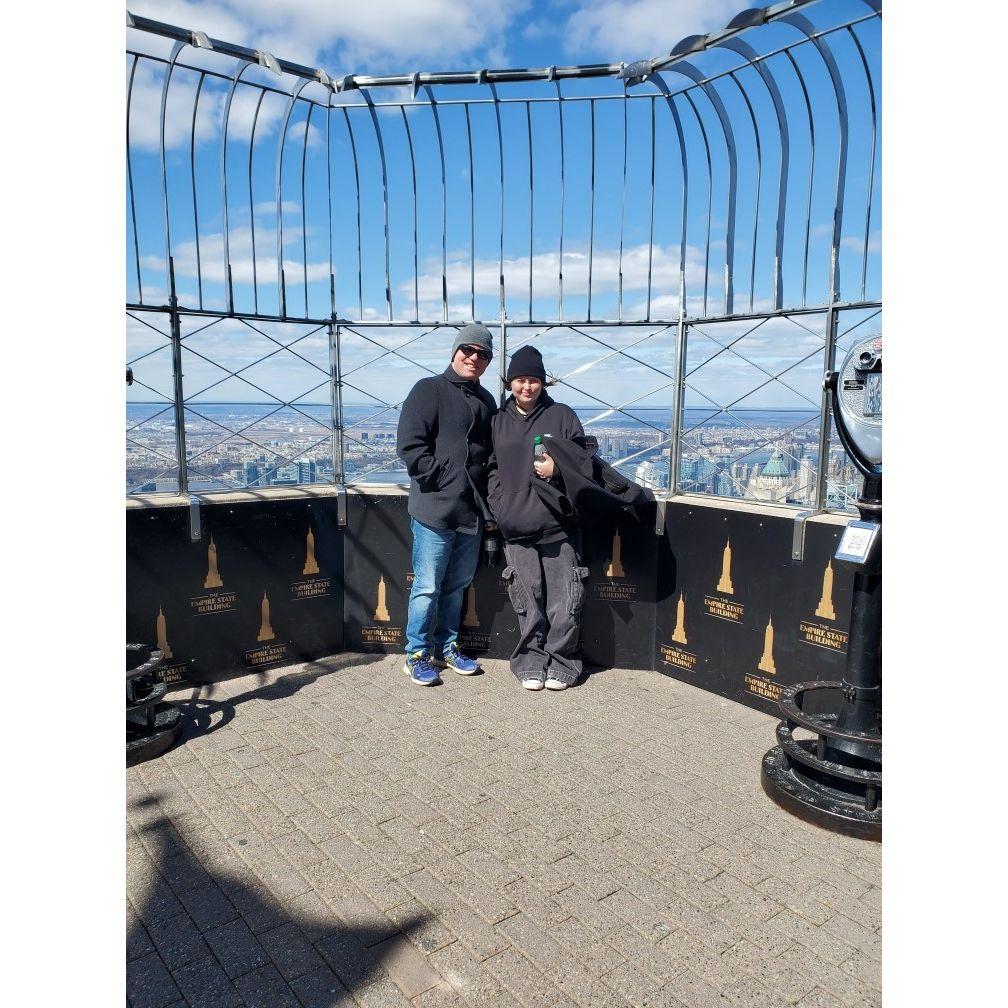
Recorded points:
(526, 361)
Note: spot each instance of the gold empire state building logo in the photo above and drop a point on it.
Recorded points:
(162, 634)
(265, 629)
(825, 608)
(615, 568)
(213, 578)
(679, 634)
(725, 584)
(311, 564)
(471, 619)
(381, 613)
(766, 663)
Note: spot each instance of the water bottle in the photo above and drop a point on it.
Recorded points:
(538, 448)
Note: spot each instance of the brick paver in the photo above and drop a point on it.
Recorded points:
(340, 837)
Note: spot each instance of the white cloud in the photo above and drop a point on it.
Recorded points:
(642, 29)
(394, 34)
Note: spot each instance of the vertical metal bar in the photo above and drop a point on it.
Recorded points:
(176, 49)
(744, 49)
(650, 255)
(336, 400)
(304, 221)
(255, 275)
(416, 254)
(192, 177)
(472, 220)
(528, 123)
(384, 175)
(281, 144)
(562, 194)
(177, 387)
(328, 146)
(356, 173)
(829, 359)
(500, 228)
(240, 68)
(826, 54)
(622, 219)
(729, 134)
(129, 176)
(678, 408)
(591, 210)
(710, 189)
(444, 207)
(758, 192)
(871, 166)
(811, 174)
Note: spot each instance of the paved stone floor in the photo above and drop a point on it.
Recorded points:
(330, 834)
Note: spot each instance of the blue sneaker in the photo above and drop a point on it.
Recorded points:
(454, 659)
(419, 668)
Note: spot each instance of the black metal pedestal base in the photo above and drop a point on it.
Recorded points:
(813, 804)
(153, 725)
(146, 742)
(833, 780)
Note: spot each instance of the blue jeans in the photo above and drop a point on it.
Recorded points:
(444, 564)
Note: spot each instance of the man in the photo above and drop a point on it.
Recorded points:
(444, 439)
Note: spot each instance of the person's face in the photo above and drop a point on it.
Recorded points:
(526, 390)
(470, 362)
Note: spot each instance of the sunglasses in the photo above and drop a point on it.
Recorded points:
(469, 351)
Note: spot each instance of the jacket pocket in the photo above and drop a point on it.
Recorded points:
(577, 589)
(515, 590)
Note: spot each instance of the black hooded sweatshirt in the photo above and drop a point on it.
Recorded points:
(519, 511)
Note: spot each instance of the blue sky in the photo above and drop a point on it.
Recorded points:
(396, 37)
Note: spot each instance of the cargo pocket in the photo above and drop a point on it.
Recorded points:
(515, 590)
(577, 589)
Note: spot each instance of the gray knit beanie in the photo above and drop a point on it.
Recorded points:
(474, 334)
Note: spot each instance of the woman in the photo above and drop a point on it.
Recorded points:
(544, 575)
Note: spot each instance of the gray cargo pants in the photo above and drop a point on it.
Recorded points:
(546, 587)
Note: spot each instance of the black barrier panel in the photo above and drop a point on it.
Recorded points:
(263, 586)
(737, 616)
(617, 625)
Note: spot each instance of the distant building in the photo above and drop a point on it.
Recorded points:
(307, 472)
(251, 474)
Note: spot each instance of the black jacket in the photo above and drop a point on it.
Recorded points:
(521, 514)
(444, 439)
(588, 488)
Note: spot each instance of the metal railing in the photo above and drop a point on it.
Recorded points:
(622, 215)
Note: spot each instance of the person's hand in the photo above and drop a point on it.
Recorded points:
(544, 467)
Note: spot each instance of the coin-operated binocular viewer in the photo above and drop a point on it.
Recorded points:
(835, 779)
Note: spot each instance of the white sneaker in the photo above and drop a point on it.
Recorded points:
(532, 684)
(555, 684)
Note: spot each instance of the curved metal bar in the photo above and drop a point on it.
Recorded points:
(806, 27)
(176, 49)
(560, 101)
(746, 50)
(416, 253)
(591, 206)
(759, 173)
(235, 78)
(356, 172)
(689, 70)
(622, 219)
(472, 220)
(281, 144)
(304, 220)
(444, 206)
(710, 193)
(500, 162)
(528, 124)
(811, 172)
(129, 176)
(384, 174)
(334, 361)
(871, 166)
(255, 274)
(192, 177)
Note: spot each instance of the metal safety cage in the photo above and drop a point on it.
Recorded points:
(682, 236)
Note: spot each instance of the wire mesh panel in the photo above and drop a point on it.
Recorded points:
(731, 184)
